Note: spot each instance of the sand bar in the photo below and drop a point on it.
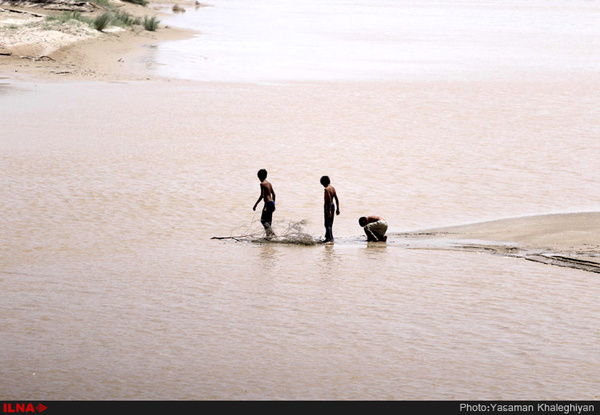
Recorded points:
(568, 239)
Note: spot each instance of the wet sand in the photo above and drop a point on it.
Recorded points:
(26, 49)
(569, 240)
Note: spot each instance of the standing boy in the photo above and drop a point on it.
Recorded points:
(330, 207)
(268, 194)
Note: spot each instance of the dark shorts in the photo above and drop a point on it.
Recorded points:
(267, 214)
(329, 217)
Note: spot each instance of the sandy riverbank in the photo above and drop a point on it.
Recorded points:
(30, 45)
(570, 239)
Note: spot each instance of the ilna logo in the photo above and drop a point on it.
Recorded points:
(17, 408)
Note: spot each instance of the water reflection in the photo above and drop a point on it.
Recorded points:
(270, 255)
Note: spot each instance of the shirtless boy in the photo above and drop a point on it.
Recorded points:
(268, 195)
(329, 207)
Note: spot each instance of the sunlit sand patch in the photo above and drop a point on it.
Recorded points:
(566, 240)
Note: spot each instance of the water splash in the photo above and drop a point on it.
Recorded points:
(293, 234)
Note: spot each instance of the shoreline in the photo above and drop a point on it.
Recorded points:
(27, 49)
(569, 240)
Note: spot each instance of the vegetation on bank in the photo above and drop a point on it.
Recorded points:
(150, 23)
(111, 17)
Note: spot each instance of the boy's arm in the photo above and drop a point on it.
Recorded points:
(337, 204)
(257, 202)
(262, 192)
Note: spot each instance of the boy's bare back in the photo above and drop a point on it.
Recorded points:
(266, 191)
(330, 195)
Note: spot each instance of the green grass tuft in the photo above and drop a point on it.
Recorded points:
(124, 19)
(150, 23)
(101, 22)
(111, 17)
(66, 16)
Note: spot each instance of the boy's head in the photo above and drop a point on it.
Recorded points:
(362, 221)
(262, 174)
(325, 181)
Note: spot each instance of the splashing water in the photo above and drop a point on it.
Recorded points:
(293, 234)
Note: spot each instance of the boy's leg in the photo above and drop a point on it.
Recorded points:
(329, 224)
(267, 219)
(376, 231)
(270, 232)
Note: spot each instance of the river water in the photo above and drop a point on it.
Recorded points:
(112, 287)
(271, 40)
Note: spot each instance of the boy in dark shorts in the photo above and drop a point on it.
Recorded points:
(330, 208)
(268, 195)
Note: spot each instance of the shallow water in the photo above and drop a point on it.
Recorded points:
(275, 41)
(112, 287)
